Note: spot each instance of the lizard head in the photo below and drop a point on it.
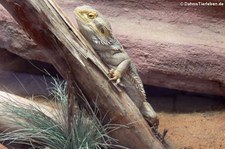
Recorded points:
(94, 27)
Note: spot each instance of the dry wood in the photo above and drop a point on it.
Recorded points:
(10, 99)
(75, 60)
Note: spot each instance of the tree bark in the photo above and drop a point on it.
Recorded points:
(76, 61)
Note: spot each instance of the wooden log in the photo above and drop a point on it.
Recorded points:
(11, 99)
(75, 60)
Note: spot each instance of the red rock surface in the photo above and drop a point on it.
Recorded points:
(13, 38)
(173, 46)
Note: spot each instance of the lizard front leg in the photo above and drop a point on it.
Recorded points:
(116, 74)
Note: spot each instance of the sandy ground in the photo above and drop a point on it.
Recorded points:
(204, 130)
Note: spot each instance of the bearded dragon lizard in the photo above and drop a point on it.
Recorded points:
(97, 31)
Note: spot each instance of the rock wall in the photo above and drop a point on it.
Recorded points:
(173, 46)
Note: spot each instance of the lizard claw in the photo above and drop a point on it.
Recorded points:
(114, 75)
(116, 79)
(110, 73)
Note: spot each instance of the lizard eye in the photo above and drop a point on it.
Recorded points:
(91, 15)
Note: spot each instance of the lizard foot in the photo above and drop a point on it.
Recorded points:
(149, 115)
(114, 75)
(152, 122)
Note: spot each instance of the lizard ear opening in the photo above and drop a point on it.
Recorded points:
(102, 30)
